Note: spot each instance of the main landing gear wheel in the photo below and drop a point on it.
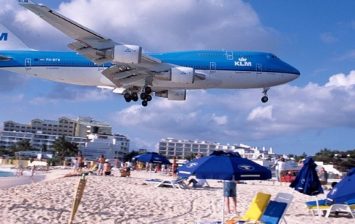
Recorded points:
(144, 103)
(149, 98)
(148, 90)
(127, 97)
(134, 97)
(264, 99)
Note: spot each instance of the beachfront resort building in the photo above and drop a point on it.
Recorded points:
(183, 149)
(80, 127)
(92, 137)
(111, 146)
(37, 140)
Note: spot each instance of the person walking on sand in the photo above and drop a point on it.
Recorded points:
(230, 194)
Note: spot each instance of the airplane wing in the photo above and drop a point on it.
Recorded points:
(100, 49)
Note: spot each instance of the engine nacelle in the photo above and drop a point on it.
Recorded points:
(182, 75)
(173, 94)
(128, 54)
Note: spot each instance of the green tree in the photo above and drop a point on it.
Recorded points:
(130, 155)
(23, 145)
(63, 148)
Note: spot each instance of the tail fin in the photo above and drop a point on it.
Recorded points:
(8, 41)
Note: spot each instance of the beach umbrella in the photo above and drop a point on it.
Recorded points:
(221, 165)
(152, 157)
(77, 198)
(307, 181)
(344, 190)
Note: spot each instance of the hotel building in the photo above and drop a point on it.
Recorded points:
(183, 149)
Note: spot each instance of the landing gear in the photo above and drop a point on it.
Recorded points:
(265, 98)
(127, 96)
(134, 97)
(144, 95)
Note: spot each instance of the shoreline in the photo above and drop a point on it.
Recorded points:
(27, 179)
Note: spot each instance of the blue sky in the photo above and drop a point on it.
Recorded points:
(308, 114)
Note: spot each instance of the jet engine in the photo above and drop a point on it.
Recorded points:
(182, 75)
(173, 94)
(127, 54)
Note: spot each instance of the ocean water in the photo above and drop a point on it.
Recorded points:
(6, 174)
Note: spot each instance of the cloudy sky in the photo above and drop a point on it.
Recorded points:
(306, 115)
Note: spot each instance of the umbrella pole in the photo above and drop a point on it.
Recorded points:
(223, 202)
(319, 214)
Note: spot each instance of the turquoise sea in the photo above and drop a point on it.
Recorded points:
(6, 174)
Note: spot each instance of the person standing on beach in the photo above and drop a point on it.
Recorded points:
(279, 167)
(80, 161)
(230, 194)
(323, 176)
(101, 162)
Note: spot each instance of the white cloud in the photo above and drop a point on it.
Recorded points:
(341, 79)
(176, 24)
(72, 93)
(220, 120)
(260, 113)
(244, 118)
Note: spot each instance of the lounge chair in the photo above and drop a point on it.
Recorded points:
(177, 183)
(274, 212)
(255, 211)
(285, 198)
(325, 206)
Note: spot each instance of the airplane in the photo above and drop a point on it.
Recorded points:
(125, 69)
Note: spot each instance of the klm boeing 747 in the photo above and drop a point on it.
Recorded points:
(127, 70)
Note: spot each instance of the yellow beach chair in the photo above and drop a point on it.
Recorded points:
(255, 211)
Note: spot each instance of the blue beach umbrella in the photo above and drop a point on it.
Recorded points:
(344, 190)
(221, 165)
(152, 157)
(307, 181)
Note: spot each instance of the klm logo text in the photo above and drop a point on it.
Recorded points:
(3, 36)
(243, 62)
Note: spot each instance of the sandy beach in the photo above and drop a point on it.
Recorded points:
(117, 199)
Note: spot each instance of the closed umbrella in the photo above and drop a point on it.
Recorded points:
(307, 181)
(344, 190)
(77, 198)
(221, 165)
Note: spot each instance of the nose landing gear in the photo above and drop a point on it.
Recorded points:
(265, 98)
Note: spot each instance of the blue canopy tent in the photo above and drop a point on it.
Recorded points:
(344, 190)
(152, 157)
(221, 165)
(307, 181)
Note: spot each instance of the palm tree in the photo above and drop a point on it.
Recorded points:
(63, 148)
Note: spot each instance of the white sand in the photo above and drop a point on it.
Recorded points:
(129, 200)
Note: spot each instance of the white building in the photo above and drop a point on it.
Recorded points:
(80, 127)
(111, 146)
(38, 140)
(182, 149)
